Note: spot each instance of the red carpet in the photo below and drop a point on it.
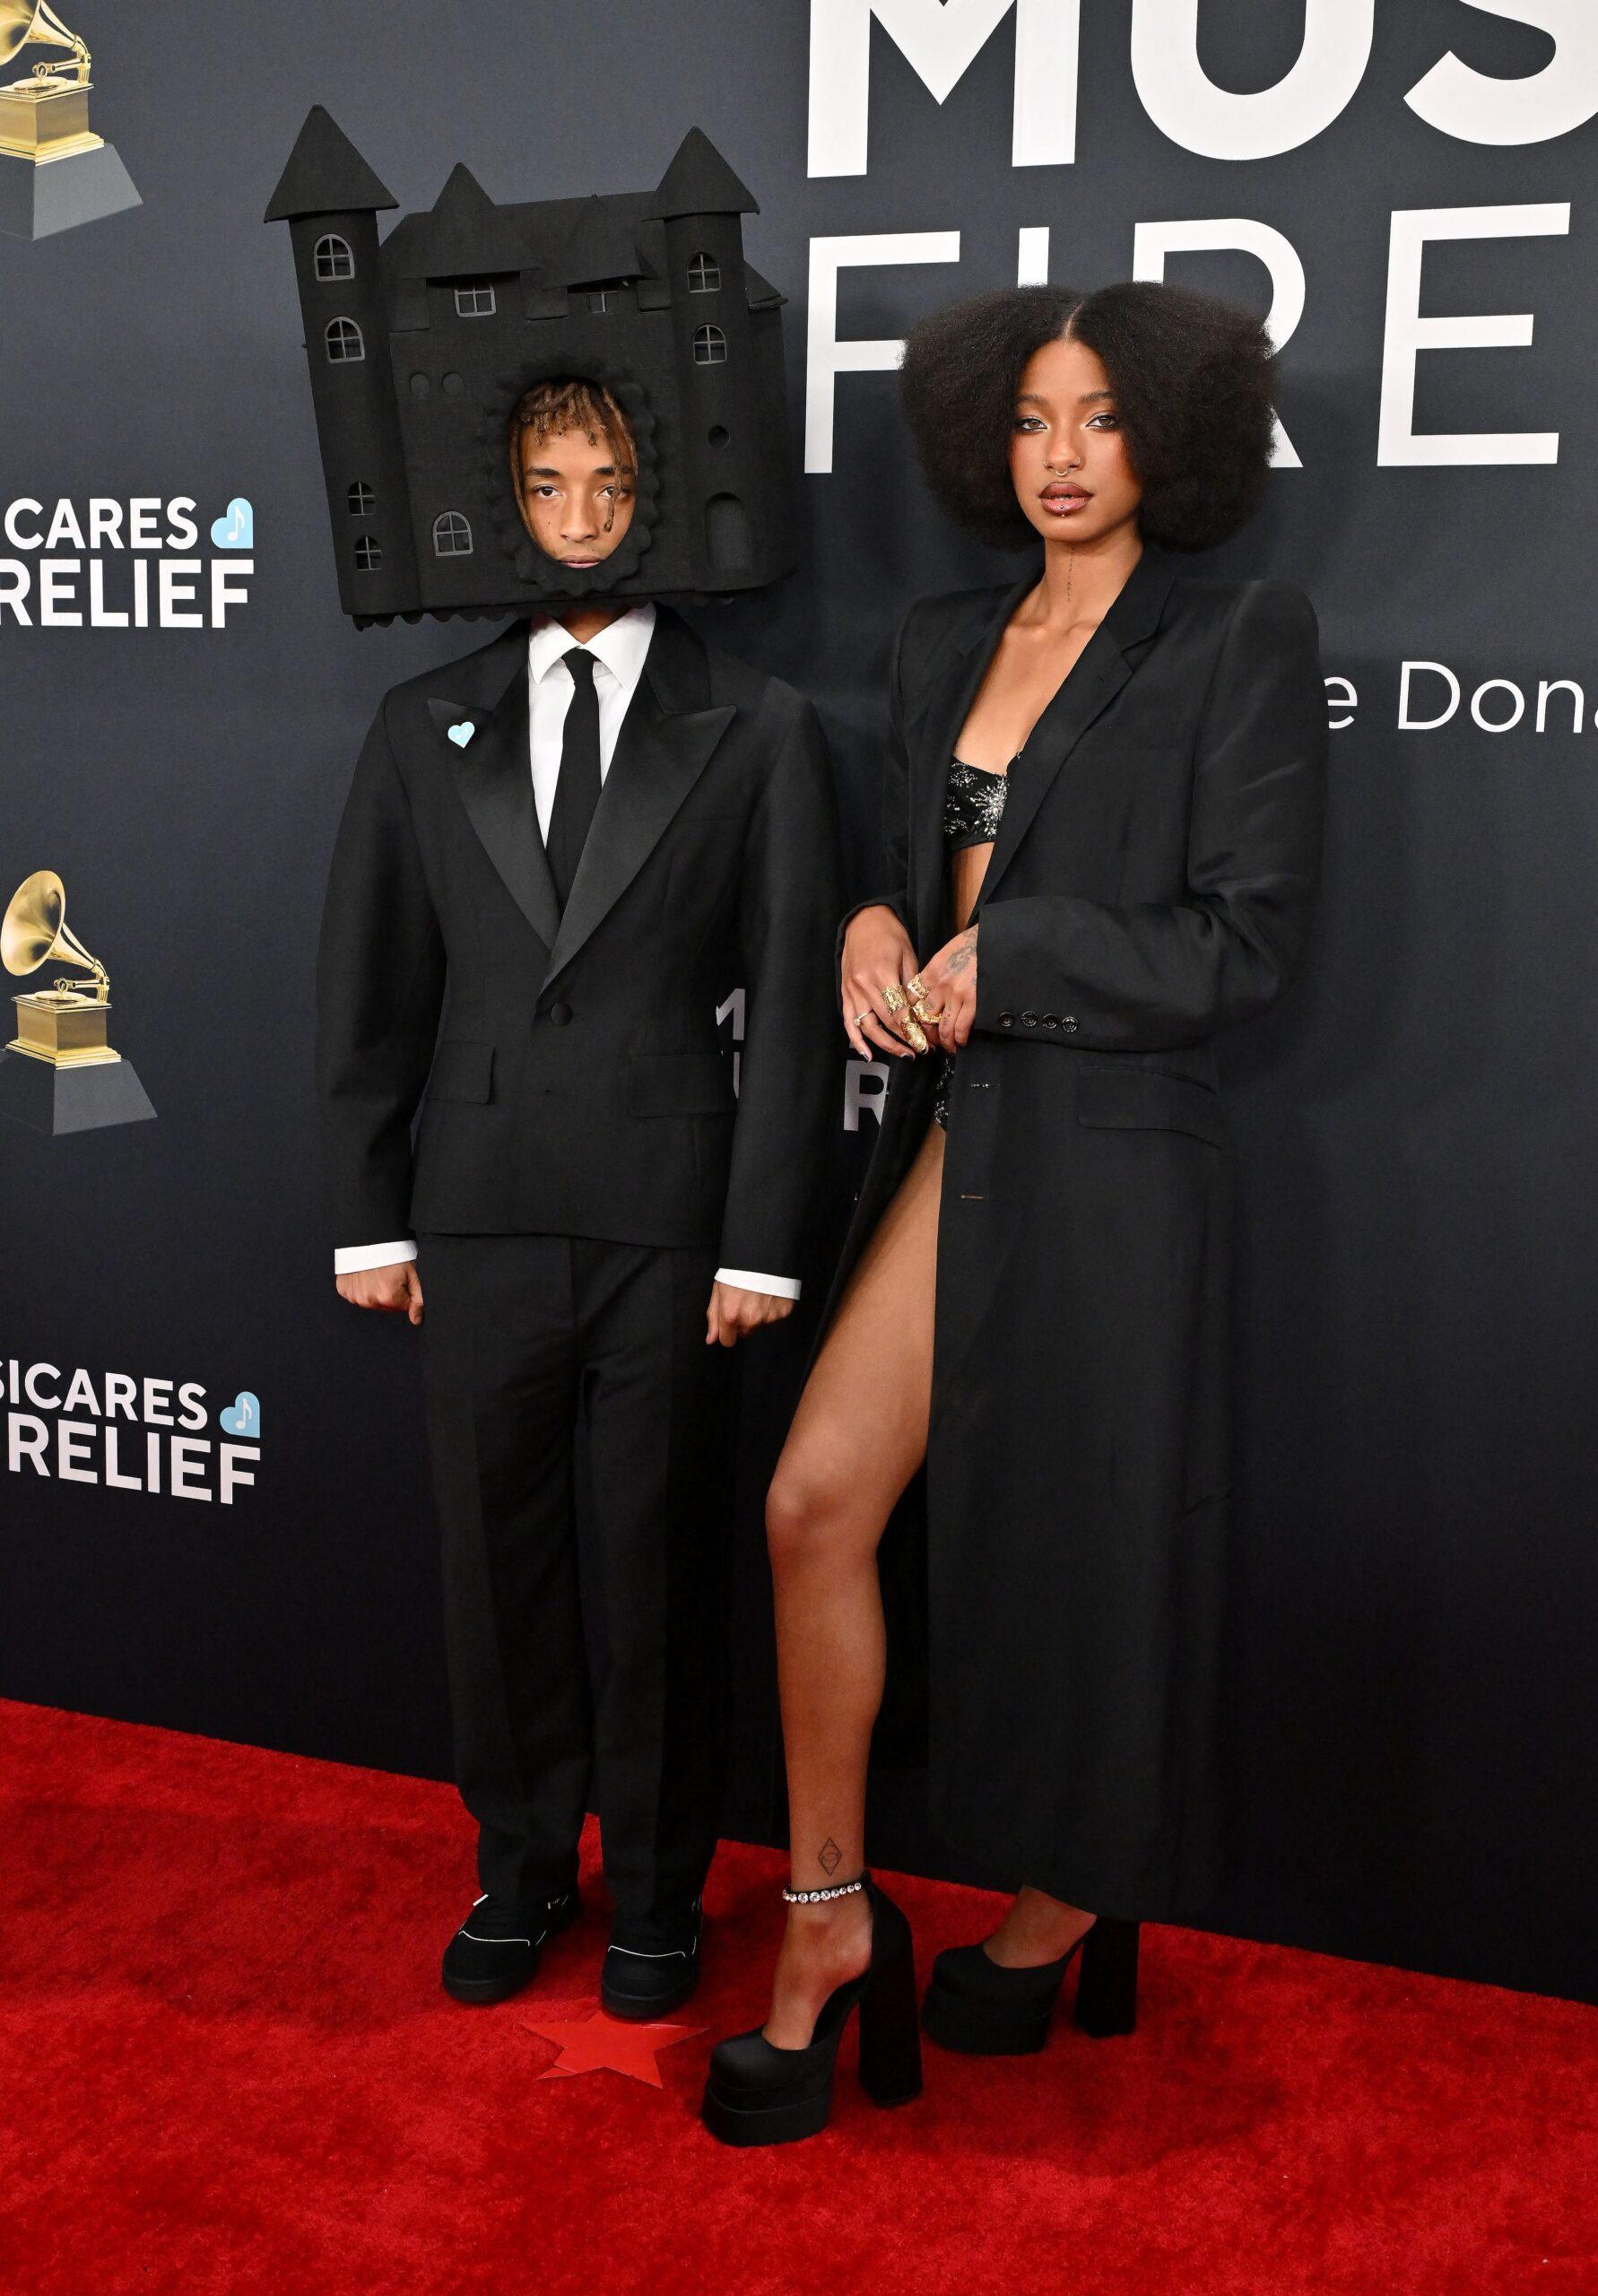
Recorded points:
(226, 2067)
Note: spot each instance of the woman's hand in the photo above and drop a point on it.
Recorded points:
(877, 954)
(950, 980)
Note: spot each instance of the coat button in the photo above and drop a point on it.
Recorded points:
(1007, 1019)
(559, 1014)
(1069, 1021)
(1028, 1020)
(1051, 1020)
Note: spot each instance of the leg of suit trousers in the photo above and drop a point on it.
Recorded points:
(657, 1404)
(519, 1333)
(501, 1376)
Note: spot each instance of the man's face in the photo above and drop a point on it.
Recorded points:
(577, 498)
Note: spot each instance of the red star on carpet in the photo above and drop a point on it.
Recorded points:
(600, 2044)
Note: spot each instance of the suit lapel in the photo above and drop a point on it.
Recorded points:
(493, 770)
(666, 742)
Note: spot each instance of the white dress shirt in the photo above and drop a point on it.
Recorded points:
(619, 651)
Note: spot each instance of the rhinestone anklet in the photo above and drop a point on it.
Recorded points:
(815, 1897)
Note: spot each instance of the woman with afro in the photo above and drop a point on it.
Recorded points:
(1103, 821)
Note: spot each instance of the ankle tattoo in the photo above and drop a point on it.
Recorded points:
(829, 1855)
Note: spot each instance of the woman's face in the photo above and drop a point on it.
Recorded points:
(577, 499)
(1068, 458)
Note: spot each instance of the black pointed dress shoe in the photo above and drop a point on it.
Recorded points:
(651, 1967)
(495, 1951)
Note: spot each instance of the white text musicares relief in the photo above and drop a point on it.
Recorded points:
(115, 565)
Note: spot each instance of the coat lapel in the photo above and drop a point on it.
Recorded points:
(493, 770)
(930, 736)
(1101, 669)
(1100, 672)
(666, 742)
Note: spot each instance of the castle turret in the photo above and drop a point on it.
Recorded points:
(329, 198)
(700, 204)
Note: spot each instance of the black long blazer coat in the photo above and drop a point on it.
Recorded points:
(1151, 885)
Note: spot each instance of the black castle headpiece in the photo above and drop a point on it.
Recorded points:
(419, 349)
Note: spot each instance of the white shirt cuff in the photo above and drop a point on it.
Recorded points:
(349, 1259)
(779, 1287)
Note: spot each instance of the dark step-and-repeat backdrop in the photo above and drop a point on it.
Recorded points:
(215, 1492)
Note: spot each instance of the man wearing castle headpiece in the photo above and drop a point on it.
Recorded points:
(583, 835)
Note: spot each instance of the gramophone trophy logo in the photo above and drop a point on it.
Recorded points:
(59, 1073)
(54, 171)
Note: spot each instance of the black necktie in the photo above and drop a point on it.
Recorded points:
(577, 791)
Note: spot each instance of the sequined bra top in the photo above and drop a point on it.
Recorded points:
(972, 804)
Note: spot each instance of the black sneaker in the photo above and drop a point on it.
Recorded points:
(651, 1967)
(494, 1952)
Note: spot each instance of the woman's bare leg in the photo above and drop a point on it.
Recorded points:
(858, 1435)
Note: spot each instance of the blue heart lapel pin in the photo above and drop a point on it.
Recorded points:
(458, 721)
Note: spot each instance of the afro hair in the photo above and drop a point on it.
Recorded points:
(1193, 377)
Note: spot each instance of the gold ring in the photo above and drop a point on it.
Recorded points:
(893, 996)
(916, 986)
(861, 1016)
(914, 1035)
(919, 1008)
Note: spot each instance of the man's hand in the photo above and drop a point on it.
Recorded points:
(733, 1312)
(396, 1287)
(951, 978)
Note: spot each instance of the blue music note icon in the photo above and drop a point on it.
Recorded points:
(236, 528)
(243, 1416)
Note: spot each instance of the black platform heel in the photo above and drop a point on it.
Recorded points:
(1106, 1981)
(976, 2006)
(757, 2094)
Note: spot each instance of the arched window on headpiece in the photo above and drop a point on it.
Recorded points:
(452, 535)
(334, 257)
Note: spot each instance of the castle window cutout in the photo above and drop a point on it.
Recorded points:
(726, 534)
(474, 303)
(336, 259)
(361, 499)
(369, 554)
(704, 274)
(709, 347)
(452, 535)
(343, 339)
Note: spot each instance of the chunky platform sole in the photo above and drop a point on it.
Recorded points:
(740, 2119)
(1106, 2002)
(983, 2029)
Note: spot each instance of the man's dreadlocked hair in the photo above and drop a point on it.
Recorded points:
(571, 403)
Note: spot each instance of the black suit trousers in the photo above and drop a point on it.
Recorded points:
(529, 1342)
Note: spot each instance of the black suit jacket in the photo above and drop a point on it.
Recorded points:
(581, 1084)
